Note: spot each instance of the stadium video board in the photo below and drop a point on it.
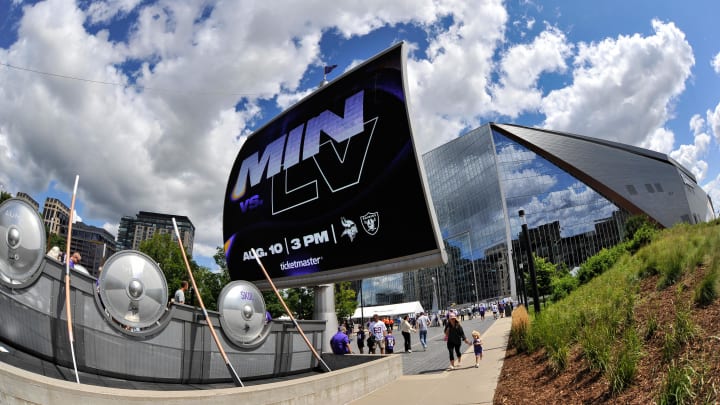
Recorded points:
(332, 189)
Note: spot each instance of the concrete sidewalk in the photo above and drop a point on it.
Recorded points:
(466, 385)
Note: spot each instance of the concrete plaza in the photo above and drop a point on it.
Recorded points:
(426, 379)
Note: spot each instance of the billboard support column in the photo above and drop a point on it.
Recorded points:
(435, 306)
(325, 311)
(362, 306)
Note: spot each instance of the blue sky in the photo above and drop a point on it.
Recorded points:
(149, 101)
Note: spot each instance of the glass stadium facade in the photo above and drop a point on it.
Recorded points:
(576, 192)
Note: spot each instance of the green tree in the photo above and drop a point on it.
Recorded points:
(220, 260)
(345, 302)
(55, 240)
(272, 304)
(301, 301)
(4, 196)
(166, 253)
(223, 273)
(544, 272)
(634, 223)
(210, 285)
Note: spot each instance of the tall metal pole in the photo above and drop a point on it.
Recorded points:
(229, 366)
(68, 307)
(531, 262)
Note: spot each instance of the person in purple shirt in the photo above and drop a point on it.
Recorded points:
(75, 259)
(340, 342)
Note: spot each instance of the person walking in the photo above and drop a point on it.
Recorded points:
(389, 343)
(75, 259)
(455, 336)
(423, 322)
(378, 331)
(371, 344)
(360, 336)
(180, 293)
(340, 343)
(406, 328)
(477, 347)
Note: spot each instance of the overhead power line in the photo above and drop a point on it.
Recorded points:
(81, 79)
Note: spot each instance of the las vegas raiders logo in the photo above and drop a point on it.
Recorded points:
(370, 222)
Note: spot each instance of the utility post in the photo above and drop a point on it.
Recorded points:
(531, 262)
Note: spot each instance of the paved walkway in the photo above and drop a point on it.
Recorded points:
(426, 379)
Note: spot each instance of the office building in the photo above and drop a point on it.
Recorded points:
(26, 197)
(134, 230)
(56, 216)
(94, 244)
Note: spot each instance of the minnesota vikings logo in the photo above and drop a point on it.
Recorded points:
(370, 222)
(350, 228)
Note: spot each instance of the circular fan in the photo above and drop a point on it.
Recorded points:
(243, 312)
(133, 289)
(22, 243)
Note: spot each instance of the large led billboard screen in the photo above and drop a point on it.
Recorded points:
(332, 189)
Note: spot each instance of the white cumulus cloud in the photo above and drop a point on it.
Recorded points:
(623, 88)
(691, 156)
(716, 63)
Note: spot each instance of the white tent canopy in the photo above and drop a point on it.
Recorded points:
(405, 308)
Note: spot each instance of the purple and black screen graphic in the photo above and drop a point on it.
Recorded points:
(332, 184)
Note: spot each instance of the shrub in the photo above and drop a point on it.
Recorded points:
(623, 365)
(519, 329)
(685, 330)
(563, 286)
(634, 223)
(678, 334)
(599, 263)
(671, 267)
(706, 291)
(651, 327)
(642, 237)
(670, 346)
(596, 342)
(678, 387)
(558, 357)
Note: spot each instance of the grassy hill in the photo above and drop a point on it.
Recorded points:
(645, 330)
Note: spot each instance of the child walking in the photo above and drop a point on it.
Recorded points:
(389, 342)
(477, 346)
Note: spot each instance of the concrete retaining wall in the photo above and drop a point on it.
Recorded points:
(20, 387)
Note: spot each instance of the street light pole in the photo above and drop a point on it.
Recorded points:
(531, 262)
